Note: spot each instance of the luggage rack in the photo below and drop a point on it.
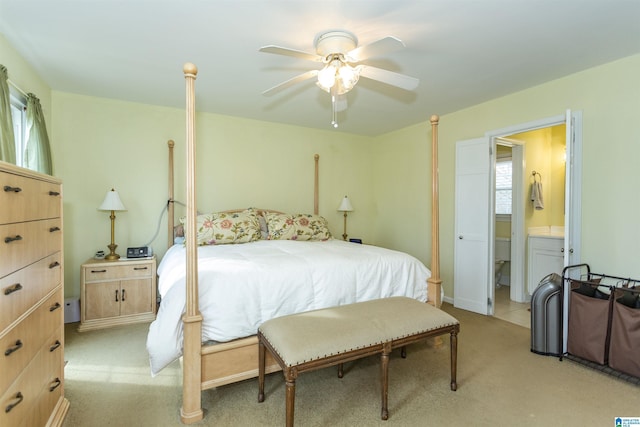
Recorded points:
(601, 328)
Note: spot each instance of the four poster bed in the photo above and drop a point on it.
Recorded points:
(216, 338)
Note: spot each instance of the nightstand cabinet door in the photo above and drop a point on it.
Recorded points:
(117, 292)
(136, 297)
(101, 300)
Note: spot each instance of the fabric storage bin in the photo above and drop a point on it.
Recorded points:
(589, 321)
(624, 350)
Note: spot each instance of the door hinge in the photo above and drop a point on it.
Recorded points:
(490, 151)
(489, 302)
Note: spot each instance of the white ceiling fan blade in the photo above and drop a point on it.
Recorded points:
(278, 50)
(292, 81)
(377, 48)
(389, 77)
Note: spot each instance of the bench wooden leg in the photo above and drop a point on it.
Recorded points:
(261, 357)
(291, 400)
(384, 375)
(340, 370)
(454, 359)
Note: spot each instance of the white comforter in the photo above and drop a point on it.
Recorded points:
(241, 286)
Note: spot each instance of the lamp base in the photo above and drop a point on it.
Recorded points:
(112, 255)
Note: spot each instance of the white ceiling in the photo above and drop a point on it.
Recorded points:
(463, 51)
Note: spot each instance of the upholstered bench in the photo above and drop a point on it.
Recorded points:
(331, 336)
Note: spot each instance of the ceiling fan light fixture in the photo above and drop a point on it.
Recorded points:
(327, 76)
(348, 77)
(339, 75)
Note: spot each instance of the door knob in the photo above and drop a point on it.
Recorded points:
(460, 237)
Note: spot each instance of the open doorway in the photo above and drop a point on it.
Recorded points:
(545, 220)
(474, 245)
(509, 210)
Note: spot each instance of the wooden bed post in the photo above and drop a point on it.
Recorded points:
(170, 204)
(315, 185)
(191, 410)
(435, 283)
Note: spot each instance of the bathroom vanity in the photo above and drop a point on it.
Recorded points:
(545, 251)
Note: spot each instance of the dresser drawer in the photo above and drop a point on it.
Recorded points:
(21, 290)
(24, 396)
(27, 199)
(115, 271)
(27, 337)
(22, 244)
(51, 390)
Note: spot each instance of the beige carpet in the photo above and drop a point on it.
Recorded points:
(500, 383)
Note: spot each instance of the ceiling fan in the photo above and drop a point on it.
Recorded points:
(339, 52)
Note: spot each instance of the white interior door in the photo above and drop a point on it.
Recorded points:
(473, 226)
(573, 187)
(572, 205)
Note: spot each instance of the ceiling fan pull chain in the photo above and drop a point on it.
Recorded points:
(334, 107)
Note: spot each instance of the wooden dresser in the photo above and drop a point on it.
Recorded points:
(31, 299)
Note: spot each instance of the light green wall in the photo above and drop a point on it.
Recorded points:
(609, 97)
(402, 183)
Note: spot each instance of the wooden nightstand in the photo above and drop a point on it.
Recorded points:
(117, 292)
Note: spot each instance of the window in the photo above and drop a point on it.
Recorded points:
(503, 186)
(19, 117)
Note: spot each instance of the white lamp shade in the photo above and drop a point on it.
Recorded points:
(112, 202)
(345, 205)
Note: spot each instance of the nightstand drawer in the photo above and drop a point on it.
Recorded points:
(116, 271)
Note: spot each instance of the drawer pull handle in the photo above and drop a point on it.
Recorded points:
(140, 268)
(8, 189)
(12, 289)
(123, 295)
(54, 264)
(13, 349)
(52, 229)
(98, 271)
(56, 384)
(116, 295)
(12, 239)
(55, 306)
(19, 397)
(54, 193)
(55, 345)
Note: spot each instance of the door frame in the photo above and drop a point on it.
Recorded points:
(573, 220)
(517, 268)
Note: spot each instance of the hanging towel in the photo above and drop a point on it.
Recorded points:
(536, 195)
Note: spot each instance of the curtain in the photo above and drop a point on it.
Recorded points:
(37, 155)
(7, 141)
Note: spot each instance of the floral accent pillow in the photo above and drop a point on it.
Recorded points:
(297, 227)
(220, 228)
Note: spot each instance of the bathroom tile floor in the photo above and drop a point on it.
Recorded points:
(511, 311)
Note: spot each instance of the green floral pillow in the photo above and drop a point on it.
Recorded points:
(297, 227)
(220, 228)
